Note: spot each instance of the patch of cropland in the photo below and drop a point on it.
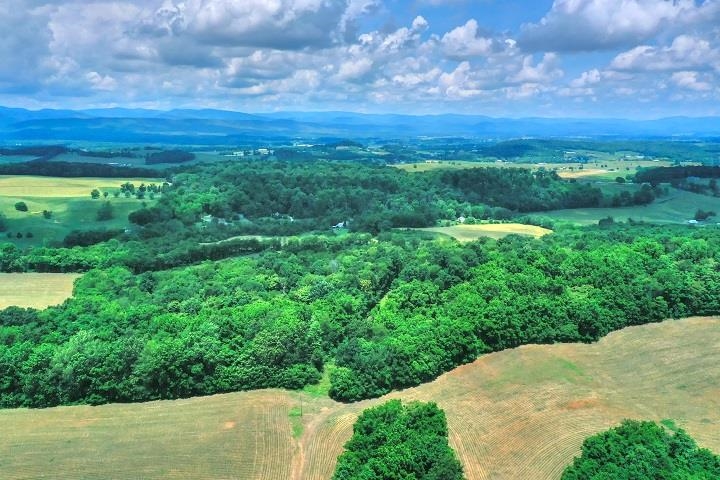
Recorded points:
(470, 233)
(518, 414)
(35, 290)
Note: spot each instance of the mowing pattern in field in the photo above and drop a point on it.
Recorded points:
(221, 437)
(517, 414)
(36, 290)
(469, 233)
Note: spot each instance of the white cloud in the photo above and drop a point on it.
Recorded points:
(590, 77)
(690, 81)
(582, 25)
(545, 71)
(354, 69)
(465, 42)
(685, 52)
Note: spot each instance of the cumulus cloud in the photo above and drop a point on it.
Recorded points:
(466, 41)
(268, 54)
(278, 24)
(691, 81)
(685, 52)
(583, 25)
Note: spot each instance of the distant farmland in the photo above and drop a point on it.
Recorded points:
(516, 414)
(678, 206)
(36, 290)
(469, 233)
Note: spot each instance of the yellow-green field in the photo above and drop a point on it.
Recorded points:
(69, 201)
(470, 233)
(23, 186)
(517, 414)
(677, 207)
(36, 290)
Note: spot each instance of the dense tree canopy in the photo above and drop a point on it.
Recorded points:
(389, 312)
(399, 442)
(643, 451)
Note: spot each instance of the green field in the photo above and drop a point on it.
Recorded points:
(677, 207)
(517, 414)
(469, 233)
(69, 201)
(35, 290)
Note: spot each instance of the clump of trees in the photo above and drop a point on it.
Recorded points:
(642, 450)
(396, 441)
(702, 215)
(105, 212)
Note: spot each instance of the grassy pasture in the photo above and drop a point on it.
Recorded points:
(69, 201)
(35, 290)
(517, 414)
(469, 233)
(677, 207)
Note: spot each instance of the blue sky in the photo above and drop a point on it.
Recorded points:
(511, 58)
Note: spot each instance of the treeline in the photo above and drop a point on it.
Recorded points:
(389, 312)
(642, 450)
(669, 174)
(42, 152)
(73, 169)
(396, 441)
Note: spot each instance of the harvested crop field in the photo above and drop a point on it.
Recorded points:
(469, 233)
(517, 414)
(36, 290)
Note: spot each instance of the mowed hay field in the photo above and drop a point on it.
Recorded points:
(35, 290)
(469, 233)
(517, 414)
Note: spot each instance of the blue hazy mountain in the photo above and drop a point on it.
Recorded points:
(221, 127)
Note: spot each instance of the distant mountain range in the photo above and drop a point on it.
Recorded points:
(221, 127)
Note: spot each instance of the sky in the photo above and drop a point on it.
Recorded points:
(503, 58)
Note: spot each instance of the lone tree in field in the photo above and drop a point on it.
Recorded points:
(105, 212)
(21, 207)
(396, 441)
(95, 194)
(642, 450)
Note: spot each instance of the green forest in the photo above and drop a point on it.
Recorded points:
(399, 442)
(643, 451)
